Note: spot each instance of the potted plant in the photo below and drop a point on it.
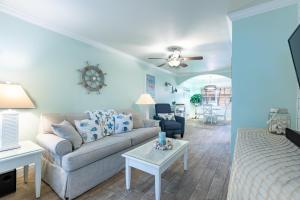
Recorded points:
(196, 100)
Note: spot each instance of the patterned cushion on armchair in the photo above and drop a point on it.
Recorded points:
(167, 116)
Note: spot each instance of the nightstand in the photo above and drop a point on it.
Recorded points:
(28, 153)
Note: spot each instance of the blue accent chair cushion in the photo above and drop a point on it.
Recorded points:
(172, 125)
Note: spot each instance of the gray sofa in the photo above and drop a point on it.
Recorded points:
(71, 173)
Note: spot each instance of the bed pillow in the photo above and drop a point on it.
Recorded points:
(123, 123)
(89, 130)
(67, 131)
(167, 116)
(105, 120)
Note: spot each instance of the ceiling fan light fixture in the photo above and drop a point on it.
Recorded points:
(176, 54)
(175, 59)
(174, 63)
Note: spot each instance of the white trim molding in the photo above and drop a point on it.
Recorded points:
(34, 20)
(262, 8)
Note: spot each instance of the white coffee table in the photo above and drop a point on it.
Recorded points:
(28, 153)
(155, 162)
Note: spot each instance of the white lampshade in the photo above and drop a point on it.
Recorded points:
(14, 96)
(145, 99)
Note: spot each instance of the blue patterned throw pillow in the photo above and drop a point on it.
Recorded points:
(123, 123)
(89, 130)
(104, 118)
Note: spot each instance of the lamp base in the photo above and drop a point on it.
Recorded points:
(9, 131)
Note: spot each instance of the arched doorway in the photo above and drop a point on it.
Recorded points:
(215, 92)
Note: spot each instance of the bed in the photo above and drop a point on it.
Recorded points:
(265, 167)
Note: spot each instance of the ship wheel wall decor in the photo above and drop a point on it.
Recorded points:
(92, 78)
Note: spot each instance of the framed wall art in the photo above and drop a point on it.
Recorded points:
(150, 85)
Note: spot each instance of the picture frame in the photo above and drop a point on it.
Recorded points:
(150, 85)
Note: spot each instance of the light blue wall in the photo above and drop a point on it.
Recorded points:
(46, 64)
(263, 75)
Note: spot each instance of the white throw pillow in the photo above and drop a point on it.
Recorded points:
(123, 123)
(67, 131)
(89, 130)
(167, 116)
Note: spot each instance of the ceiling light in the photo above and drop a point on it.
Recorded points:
(174, 63)
(176, 54)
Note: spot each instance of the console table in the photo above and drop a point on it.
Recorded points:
(28, 153)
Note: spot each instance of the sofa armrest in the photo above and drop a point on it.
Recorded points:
(56, 145)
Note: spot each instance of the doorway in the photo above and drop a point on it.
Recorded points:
(206, 99)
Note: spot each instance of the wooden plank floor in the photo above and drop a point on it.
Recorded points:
(207, 178)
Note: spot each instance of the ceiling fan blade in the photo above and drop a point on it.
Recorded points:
(161, 65)
(157, 58)
(183, 65)
(193, 58)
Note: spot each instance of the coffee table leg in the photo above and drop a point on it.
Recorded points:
(128, 175)
(157, 186)
(186, 158)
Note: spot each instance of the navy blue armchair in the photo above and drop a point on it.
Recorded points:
(171, 127)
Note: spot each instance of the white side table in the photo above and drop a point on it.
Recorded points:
(28, 153)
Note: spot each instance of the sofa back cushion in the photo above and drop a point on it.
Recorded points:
(47, 119)
(71, 117)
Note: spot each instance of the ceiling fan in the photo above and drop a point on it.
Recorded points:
(175, 59)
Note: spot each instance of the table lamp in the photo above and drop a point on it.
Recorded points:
(145, 99)
(12, 96)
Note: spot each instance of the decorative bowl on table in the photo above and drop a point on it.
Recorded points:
(167, 146)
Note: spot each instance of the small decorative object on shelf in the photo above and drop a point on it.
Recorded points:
(279, 120)
(167, 146)
(92, 78)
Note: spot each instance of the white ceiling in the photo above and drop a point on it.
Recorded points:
(144, 28)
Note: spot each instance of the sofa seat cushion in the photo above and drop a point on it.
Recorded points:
(140, 135)
(172, 125)
(94, 151)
